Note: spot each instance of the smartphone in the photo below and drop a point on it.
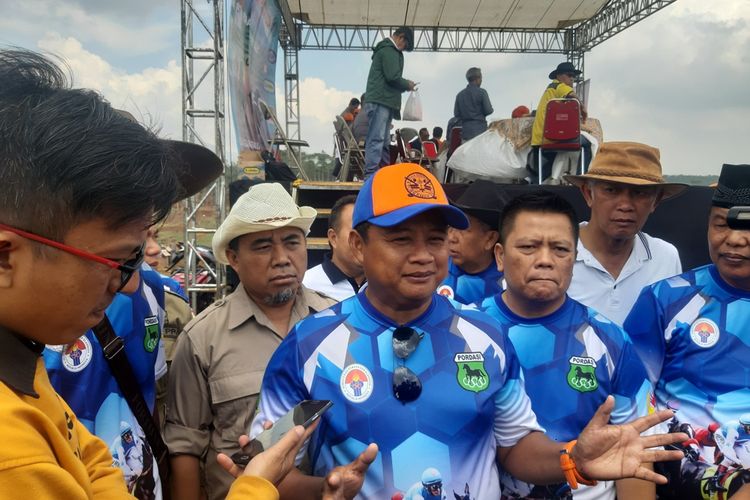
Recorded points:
(304, 414)
(739, 218)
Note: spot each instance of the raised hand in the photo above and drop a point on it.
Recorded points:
(345, 481)
(615, 451)
(274, 463)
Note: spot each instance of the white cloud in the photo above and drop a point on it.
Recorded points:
(153, 94)
(675, 80)
(128, 36)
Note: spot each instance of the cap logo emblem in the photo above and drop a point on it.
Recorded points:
(420, 186)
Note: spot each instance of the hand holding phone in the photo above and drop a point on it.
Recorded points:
(304, 414)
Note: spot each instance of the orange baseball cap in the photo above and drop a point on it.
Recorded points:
(399, 192)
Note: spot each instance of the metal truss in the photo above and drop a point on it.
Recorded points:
(291, 85)
(614, 17)
(203, 113)
(433, 39)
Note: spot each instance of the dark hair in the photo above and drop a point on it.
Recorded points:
(473, 74)
(354, 102)
(437, 132)
(536, 201)
(408, 35)
(334, 218)
(362, 229)
(234, 243)
(66, 156)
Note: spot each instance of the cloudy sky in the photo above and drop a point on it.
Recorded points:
(677, 80)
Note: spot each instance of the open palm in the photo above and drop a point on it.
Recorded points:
(608, 451)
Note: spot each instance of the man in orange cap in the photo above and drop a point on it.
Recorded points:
(437, 386)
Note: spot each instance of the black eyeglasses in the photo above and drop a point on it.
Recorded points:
(127, 268)
(406, 384)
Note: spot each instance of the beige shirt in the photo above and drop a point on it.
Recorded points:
(216, 375)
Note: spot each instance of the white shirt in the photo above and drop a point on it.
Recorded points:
(652, 259)
(329, 280)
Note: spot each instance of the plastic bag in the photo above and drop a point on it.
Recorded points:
(490, 155)
(413, 108)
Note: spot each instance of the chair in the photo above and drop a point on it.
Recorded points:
(404, 152)
(281, 138)
(430, 150)
(562, 130)
(407, 134)
(429, 154)
(352, 153)
(455, 140)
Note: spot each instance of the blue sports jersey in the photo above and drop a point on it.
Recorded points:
(571, 360)
(172, 285)
(472, 398)
(471, 288)
(81, 375)
(693, 333)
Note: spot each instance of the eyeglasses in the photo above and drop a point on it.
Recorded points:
(406, 384)
(127, 268)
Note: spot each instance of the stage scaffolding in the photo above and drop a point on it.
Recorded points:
(203, 84)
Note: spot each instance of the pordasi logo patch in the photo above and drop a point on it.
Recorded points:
(77, 355)
(704, 333)
(151, 333)
(582, 374)
(470, 371)
(356, 383)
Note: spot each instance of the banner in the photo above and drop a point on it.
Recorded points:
(253, 39)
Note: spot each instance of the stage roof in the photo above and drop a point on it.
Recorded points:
(512, 14)
(542, 26)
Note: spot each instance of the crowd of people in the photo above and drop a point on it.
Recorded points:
(371, 125)
(489, 346)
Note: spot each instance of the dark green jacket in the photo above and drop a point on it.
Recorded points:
(385, 83)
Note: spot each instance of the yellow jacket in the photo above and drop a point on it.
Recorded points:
(46, 453)
(252, 488)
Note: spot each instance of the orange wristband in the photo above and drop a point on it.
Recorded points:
(568, 466)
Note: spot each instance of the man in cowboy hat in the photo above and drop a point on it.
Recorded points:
(433, 384)
(561, 87)
(220, 358)
(615, 258)
(472, 271)
(693, 334)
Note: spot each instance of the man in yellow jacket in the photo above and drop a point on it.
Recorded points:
(80, 184)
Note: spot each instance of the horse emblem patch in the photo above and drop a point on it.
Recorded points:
(420, 186)
(582, 374)
(470, 372)
(151, 333)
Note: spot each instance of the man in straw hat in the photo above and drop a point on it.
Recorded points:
(561, 87)
(693, 333)
(80, 184)
(472, 271)
(220, 358)
(615, 258)
(434, 385)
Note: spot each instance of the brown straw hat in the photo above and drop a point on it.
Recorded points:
(628, 163)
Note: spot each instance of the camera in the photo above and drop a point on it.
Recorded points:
(739, 218)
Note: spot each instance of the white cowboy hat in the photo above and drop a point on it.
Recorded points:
(264, 207)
